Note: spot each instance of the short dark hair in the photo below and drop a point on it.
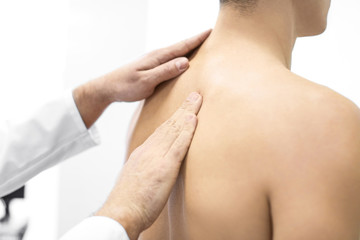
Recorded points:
(243, 5)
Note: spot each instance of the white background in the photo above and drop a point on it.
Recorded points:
(47, 46)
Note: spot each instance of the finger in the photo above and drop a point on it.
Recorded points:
(182, 143)
(192, 104)
(170, 129)
(168, 132)
(180, 49)
(167, 71)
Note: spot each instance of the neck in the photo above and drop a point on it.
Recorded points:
(267, 35)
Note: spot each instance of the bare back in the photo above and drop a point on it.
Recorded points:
(250, 166)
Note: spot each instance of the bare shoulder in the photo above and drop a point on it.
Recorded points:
(316, 190)
(290, 104)
(331, 114)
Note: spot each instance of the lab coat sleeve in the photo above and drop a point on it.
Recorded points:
(53, 133)
(97, 228)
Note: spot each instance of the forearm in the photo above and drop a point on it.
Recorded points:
(91, 100)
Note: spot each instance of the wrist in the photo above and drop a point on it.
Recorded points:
(114, 85)
(91, 100)
(100, 92)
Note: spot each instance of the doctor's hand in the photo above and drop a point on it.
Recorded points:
(145, 183)
(134, 81)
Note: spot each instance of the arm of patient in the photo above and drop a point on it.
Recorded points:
(321, 198)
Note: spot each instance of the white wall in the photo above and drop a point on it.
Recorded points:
(32, 58)
(170, 21)
(332, 59)
(46, 45)
(103, 35)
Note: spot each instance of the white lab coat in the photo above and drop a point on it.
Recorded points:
(52, 134)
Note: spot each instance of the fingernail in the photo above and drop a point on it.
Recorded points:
(182, 64)
(193, 97)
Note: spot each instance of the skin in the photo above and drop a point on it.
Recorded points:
(147, 178)
(135, 81)
(275, 156)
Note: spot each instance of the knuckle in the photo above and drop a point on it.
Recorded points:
(173, 126)
(190, 116)
(136, 76)
(163, 54)
(170, 122)
(186, 106)
(185, 44)
(168, 69)
(183, 106)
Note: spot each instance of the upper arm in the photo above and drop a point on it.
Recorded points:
(316, 195)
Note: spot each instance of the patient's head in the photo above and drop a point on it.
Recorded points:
(310, 15)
